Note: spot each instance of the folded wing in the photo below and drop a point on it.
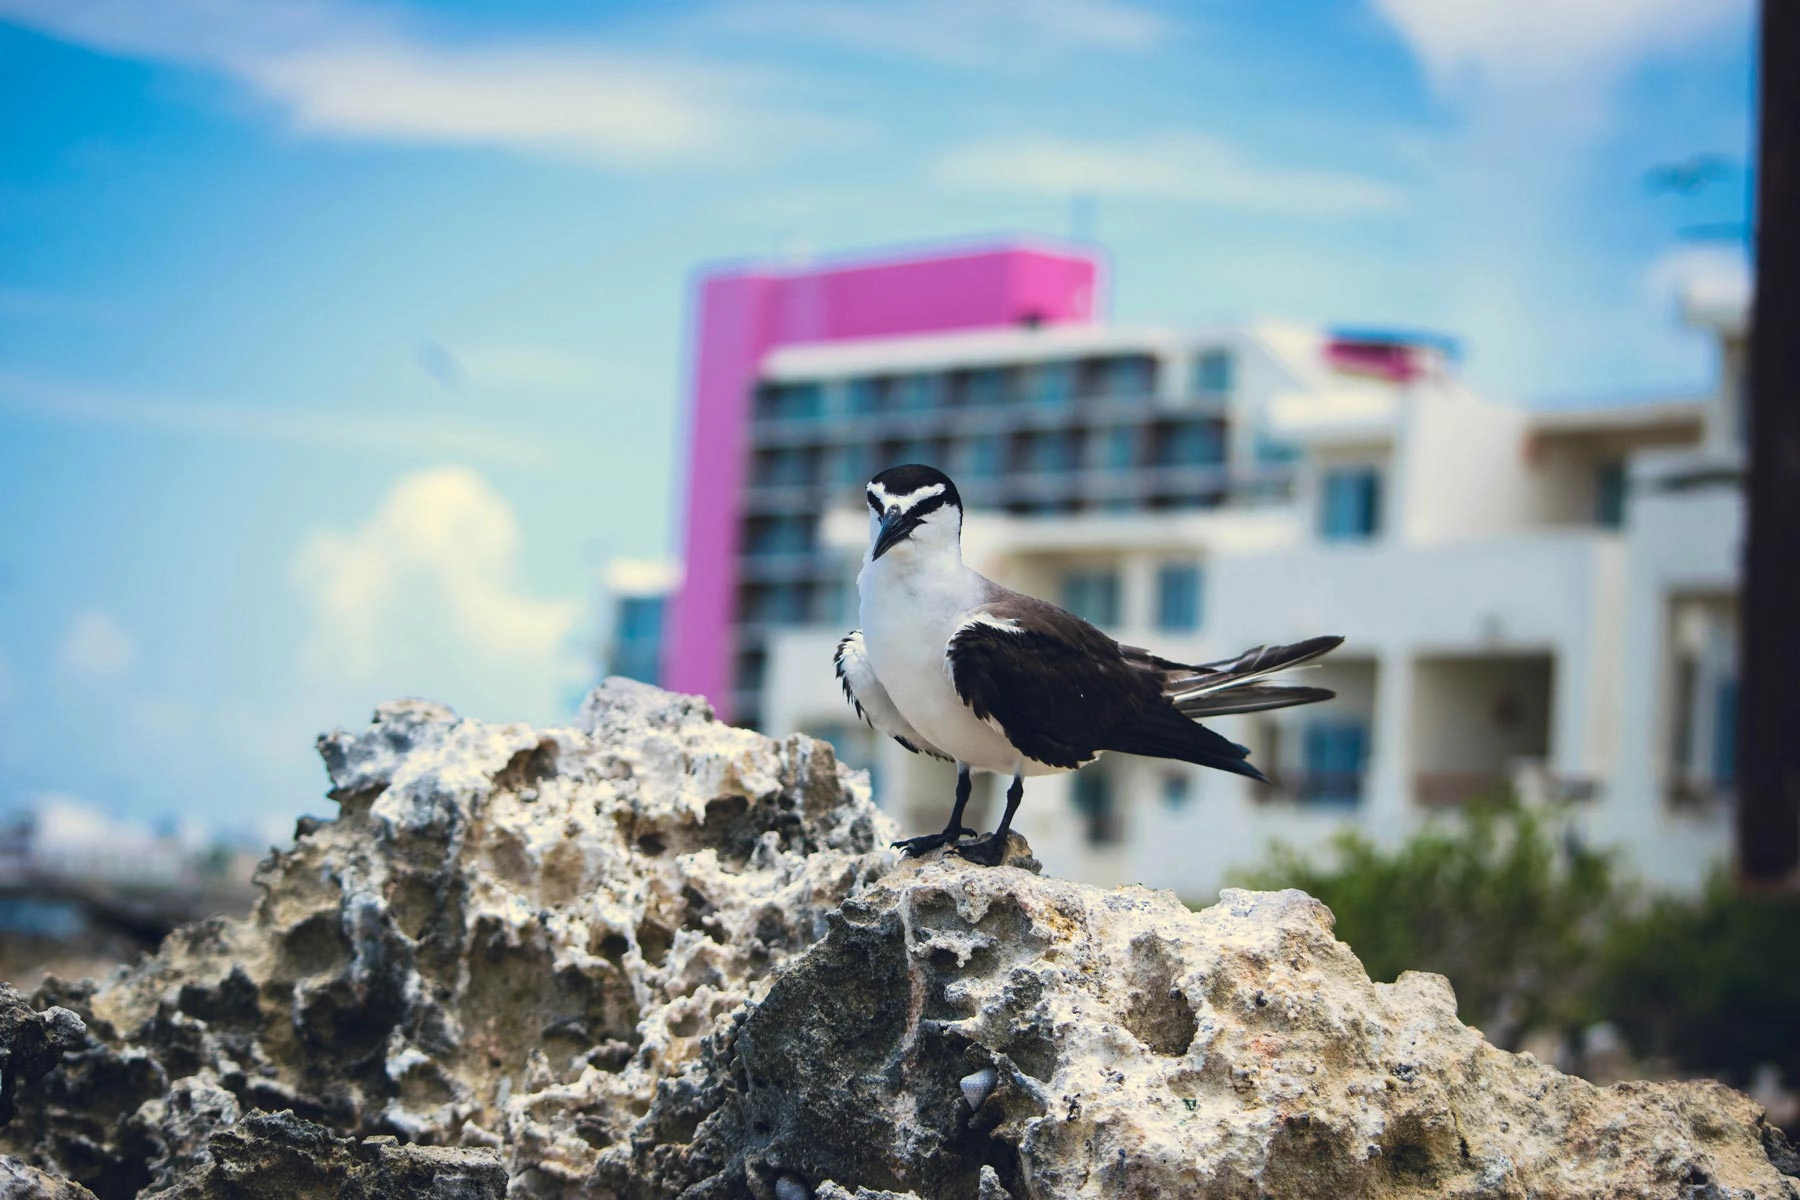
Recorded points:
(871, 700)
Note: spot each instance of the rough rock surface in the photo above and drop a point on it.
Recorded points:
(509, 938)
(1142, 1050)
(655, 957)
(21, 1182)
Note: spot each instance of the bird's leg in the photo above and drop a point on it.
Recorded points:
(989, 850)
(931, 841)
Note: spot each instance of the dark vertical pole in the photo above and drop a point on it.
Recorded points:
(1768, 826)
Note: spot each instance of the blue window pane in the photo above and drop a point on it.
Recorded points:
(791, 401)
(1092, 794)
(1609, 495)
(1725, 705)
(1177, 790)
(1178, 597)
(1050, 384)
(1127, 377)
(1092, 595)
(1351, 508)
(1121, 448)
(985, 455)
(916, 393)
(1212, 373)
(1051, 450)
(1335, 754)
(864, 395)
(1191, 443)
(987, 386)
(849, 464)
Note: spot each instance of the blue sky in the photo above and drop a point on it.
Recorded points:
(341, 342)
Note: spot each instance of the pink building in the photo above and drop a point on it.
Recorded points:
(744, 315)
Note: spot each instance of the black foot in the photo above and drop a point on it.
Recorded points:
(988, 851)
(914, 847)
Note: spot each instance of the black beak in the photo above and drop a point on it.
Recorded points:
(896, 526)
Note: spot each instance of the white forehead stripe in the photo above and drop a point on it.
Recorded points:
(907, 502)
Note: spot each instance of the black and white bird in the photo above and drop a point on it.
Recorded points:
(950, 664)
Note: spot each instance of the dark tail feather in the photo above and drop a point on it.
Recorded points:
(1164, 733)
(1249, 698)
(1251, 664)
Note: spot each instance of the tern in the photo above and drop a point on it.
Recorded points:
(951, 664)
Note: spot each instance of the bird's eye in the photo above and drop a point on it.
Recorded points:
(873, 502)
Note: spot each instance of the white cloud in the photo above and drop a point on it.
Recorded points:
(96, 647)
(435, 561)
(1708, 277)
(1186, 167)
(1515, 45)
(337, 69)
(954, 31)
(354, 432)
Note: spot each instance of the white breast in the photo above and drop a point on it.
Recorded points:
(908, 616)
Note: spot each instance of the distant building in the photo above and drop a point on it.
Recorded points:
(639, 596)
(1541, 602)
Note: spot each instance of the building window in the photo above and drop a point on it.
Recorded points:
(1609, 495)
(1212, 373)
(1047, 450)
(864, 395)
(1121, 448)
(1092, 793)
(1724, 731)
(1335, 757)
(1177, 789)
(911, 450)
(791, 401)
(1178, 597)
(1127, 377)
(984, 455)
(786, 467)
(849, 465)
(1191, 444)
(985, 388)
(917, 393)
(1050, 384)
(1351, 508)
(637, 638)
(1092, 595)
(779, 535)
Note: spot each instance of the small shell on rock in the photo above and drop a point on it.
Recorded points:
(975, 1088)
(789, 1187)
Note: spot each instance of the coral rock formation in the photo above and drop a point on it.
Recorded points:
(652, 957)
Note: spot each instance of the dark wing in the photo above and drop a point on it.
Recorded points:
(871, 700)
(1052, 683)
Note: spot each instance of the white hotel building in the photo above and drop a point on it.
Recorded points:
(1542, 601)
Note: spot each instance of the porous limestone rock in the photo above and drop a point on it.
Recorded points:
(31, 1044)
(1143, 1050)
(18, 1181)
(509, 939)
(280, 1155)
(655, 958)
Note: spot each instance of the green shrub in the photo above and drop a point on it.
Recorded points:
(1536, 933)
(1712, 984)
(1512, 913)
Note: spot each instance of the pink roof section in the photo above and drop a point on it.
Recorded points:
(742, 315)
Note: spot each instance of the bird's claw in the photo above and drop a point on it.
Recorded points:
(987, 851)
(914, 847)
